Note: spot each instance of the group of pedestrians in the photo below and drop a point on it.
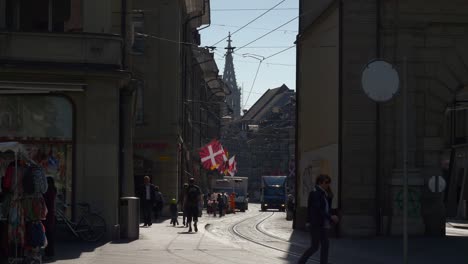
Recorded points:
(320, 218)
(190, 200)
(217, 203)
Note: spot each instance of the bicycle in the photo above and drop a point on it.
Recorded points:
(90, 227)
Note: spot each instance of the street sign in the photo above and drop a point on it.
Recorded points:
(380, 80)
(432, 184)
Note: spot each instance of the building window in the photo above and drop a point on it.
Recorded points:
(139, 115)
(460, 126)
(138, 23)
(44, 125)
(41, 15)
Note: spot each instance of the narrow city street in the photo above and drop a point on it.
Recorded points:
(253, 233)
(233, 238)
(256, 237)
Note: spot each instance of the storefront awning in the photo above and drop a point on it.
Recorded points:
(15, 147)
(7, 87)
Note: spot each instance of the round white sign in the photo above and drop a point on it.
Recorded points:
(380, 80)
(432, 184)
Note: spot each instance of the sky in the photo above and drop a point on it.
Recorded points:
(229, 16)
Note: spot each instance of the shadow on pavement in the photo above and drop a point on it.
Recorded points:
(67, 246)
(386, 250)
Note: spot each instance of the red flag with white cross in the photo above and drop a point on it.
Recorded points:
(211, 155)
(232, 166)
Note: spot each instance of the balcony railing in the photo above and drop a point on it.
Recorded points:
(75, 48)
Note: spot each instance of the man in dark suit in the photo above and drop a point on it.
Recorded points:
(319, 219)
(147, 196)
(192, 201)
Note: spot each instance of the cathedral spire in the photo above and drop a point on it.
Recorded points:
(229, 78)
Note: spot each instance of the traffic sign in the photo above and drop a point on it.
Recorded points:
(380, 80)
(441, 184)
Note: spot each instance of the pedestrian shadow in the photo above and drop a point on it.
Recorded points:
(187, 233)
(68, 247)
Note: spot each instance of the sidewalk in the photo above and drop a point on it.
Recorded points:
(162, 243)
(382, 250)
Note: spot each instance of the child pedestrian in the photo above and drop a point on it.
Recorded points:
(174, 212)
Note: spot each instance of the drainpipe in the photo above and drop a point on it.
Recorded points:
(296, 132)
(123, 32)
(340, 107)
(184, 78)
(378, 169)
(298, 104)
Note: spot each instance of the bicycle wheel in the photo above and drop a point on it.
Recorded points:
(91, 227)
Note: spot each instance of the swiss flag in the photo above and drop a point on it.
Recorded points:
(224, 166)
(232, 166)
(212, 155)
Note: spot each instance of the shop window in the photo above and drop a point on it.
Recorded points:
(460, 126)
(44, 125)
(138, 23)
(42, 15)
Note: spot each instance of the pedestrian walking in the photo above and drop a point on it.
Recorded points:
(221, 204)
(174, 212)
(147, 196)
(319, 219)
(182, 204)
(192, 203)
(158, 202)
(232, 202)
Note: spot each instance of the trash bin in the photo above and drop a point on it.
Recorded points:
(129, 217)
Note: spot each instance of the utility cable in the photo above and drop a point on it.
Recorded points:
(253, 83)
(257, 28)
(256, 74)
(273, 30)
(279, 52)
(266, 63)
(253, 9)
(255, 19)
(165, 39)
(268, 33)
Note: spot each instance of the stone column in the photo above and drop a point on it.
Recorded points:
(2, 14)
(127, 98)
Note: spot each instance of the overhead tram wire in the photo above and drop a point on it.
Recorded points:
(256, 74)
(268, 33)
(270, 63)
(264, 13)
(256, 28)
(253, 9)
(273, 30)
(253, 83)
(165, 39)
(252, 62)
(279, 52)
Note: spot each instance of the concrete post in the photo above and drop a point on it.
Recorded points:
(2, 14)
(127, 101)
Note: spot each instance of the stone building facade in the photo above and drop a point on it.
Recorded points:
(358, 142)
